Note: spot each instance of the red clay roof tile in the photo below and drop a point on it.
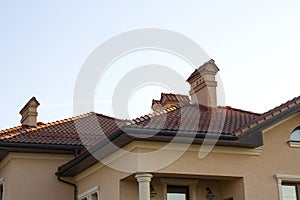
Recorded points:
(197, 118)
(85, 129)
(269, 115)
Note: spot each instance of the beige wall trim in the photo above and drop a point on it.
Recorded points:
(195, 147)
(89, 192)
(192, 183)
(33, 156)
(294, 144)
(285, 177)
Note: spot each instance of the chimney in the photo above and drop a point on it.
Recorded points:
(203, 84)
(156, 105)
(168, 100)
(29, 113)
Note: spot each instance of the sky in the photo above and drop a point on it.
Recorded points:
(44, 44)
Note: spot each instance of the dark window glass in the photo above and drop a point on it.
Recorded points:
(175, 192)
(1, 192)
(295, 136)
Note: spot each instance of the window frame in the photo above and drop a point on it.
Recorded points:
(191, 183)
(294, 143)
(2, 184)
(87, 195)
(296, 185)
(179, 187)
(283, 179)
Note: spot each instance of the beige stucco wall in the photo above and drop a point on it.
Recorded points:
(240, 174)
(29, 176)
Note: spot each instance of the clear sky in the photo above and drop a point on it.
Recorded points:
(43, 45)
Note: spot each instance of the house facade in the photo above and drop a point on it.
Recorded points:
(182, 151)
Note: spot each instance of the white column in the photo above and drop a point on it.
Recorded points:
(144, 185)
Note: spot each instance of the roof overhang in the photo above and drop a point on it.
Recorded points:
(6, 147)
(123, 137)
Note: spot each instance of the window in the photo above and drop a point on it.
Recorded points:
(290, 191)
(289, 186)
(1, 189)
(179, 189)
(92, 194)
(295, 138)
(175, 192)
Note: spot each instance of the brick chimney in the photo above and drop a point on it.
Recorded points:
(29, 113)
(203, 84)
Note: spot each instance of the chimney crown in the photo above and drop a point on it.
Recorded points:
(29, 113)
(169, 99)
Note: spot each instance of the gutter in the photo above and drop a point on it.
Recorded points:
(120, 138)
(71, 184)
(87, 153)
(41, 146)
(6, 147)
(138, 132)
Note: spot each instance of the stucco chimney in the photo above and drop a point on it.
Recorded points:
(29, 113)
(203, 84)
(156, 105)
(168, 100)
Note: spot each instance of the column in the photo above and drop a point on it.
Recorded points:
(144, 180)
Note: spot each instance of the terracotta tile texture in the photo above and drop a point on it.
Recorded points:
(91, 128)
(85, 129)
(196, 118)
(269, 115)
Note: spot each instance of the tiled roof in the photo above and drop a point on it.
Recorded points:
(268, 115)
(154, 101)
(11, 132)
(196, 118)
(89, 128)
(182, 99)
(190, 117)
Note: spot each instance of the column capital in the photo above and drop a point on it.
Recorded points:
(143, 177)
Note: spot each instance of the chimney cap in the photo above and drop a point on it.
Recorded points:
(31, 102)
(208, 66)
(29, 113)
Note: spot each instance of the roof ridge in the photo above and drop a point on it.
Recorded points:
(224, 107)
(59, 122)
(153, 114)
(109, 117)
(11, 129)
(174, 94)
(240, 110)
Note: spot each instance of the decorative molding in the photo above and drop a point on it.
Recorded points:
(143, 177)
(195, 147)
(294, 144)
